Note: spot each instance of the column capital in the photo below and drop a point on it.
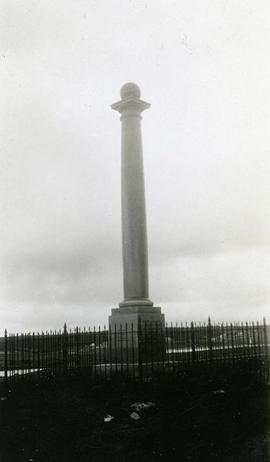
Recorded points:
(130, 102)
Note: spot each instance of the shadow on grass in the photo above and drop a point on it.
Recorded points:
(222, 416)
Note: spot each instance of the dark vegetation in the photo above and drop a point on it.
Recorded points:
(199, 416)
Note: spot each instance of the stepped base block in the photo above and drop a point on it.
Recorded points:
(137, 334)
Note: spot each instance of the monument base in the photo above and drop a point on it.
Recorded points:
(137, 334)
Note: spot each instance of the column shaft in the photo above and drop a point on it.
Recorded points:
(134, 235)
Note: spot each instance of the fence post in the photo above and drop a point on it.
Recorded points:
(6, 356)
(77, 343)
(65, 349)
(193, 346)
(139, 349)
(98, 357)
(105, 352)
(172, 346)
(254, 346)
(224, 356)
(266, 348)
(232, 343)
(33, 351)
(95, 351)
(133, 352)
(145, 352)
(121, 349)
(209, 338)
(38, 353)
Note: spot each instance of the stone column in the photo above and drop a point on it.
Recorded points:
(136, 322)
(134, 234)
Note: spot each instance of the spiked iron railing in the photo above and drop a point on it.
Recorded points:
(152, 350)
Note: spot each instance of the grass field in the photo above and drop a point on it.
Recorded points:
(196, 417)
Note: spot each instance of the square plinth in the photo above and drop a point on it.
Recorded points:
(137, 334)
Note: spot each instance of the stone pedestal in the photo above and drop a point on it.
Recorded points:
(137, 334)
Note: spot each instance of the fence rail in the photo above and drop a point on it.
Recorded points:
(140, 352)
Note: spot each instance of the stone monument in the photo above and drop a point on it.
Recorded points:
(136, 309)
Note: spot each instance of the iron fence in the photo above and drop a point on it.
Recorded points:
(135, 352)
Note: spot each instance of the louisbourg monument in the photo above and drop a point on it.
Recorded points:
(136, 309)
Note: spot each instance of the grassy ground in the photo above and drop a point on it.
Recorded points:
(197, 417)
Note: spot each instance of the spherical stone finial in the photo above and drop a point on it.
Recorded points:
(130, 89)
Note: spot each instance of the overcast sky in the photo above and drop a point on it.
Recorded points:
(205, 68)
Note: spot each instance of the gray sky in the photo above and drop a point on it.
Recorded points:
(205, 67)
